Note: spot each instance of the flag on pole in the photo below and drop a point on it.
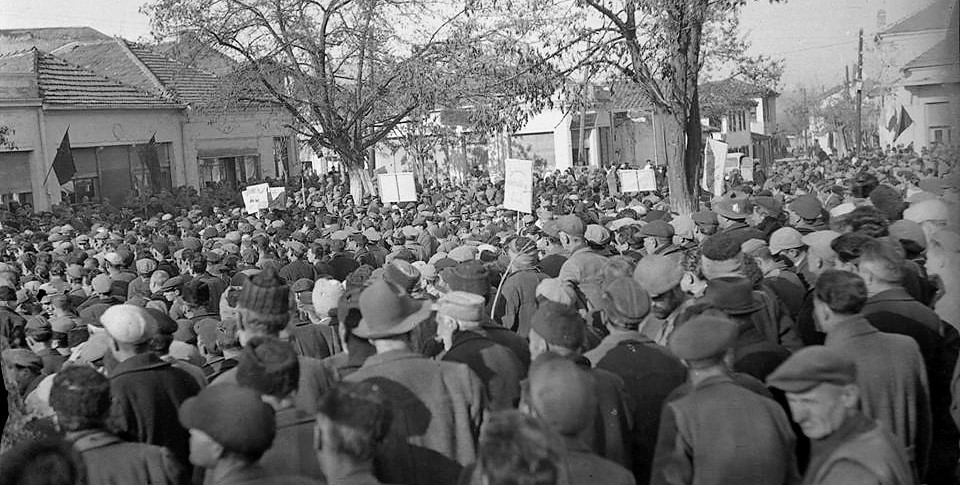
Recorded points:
(904, 123)
(63, 164)
(148, 156)
(892, 124)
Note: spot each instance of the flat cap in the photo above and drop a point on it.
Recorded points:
(812, 366)
(703, 338)
(128, 324)
(571, 225)
(234, 416)
(657, 274)
(705, 217)
(806, 206)
(736, 209)
(785, 238)
(657, 228)
(559, 324)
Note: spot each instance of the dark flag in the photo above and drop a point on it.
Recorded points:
(148, 156)
(63, 164)
(905, 122)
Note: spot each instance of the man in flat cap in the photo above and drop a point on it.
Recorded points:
(658, 239)
(230, 430)
(584, 266)
(720, 431)
(146, 391)
(557, 328)
(732, 215)
(649, 371)
(846, 446)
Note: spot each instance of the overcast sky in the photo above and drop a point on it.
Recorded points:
(815, 37)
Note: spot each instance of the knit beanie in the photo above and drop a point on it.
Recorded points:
(269, 366)
(471, 276)
(265, 293)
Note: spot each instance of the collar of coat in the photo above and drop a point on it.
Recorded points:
(893, 294)
(848, 328)
(91, 439)
(392, 356)
(138, 363)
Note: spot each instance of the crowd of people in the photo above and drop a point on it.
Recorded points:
(801, 327)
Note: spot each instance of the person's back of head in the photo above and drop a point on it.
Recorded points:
(269, 366)
(353, 419)
(516, 449)
(42, 462)
(843, 292)
(81, 398)
(882, 262)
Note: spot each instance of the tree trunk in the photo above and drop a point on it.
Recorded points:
(681, 193)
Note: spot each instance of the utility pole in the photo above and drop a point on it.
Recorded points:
(860, 94)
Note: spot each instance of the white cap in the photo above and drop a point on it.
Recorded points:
(842, 209)
(785, 238)
(326, 296)
(128, 324)
(113, 258)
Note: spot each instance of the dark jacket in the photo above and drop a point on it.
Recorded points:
(649, 372)
(293, 450)
(723, 433)
(610, 433)
(517, 301)
(296, 270)
(496, 366)
(112, 461)
(898, 301)
(146, 394)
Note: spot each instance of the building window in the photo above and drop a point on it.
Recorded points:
(233, 171)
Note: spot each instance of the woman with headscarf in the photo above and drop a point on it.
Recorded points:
(516, 299)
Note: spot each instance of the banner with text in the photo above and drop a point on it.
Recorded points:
(643, 180)
(256, 197)
(518, 185)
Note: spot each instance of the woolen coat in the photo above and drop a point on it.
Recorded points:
(893, 383)
(438, 410)
(864, 456)
(495, 365)
(111, 461)
(722, 433)
(146, 394)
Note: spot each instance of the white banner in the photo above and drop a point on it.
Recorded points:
(718, 152)
(518, 185)
(746, 169)
(256, 197)
(397, 187)
(632, 181)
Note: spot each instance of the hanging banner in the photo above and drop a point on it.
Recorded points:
(647, 179)
(278, 197)
(397, 187)
(518, 185)
(746, 169)
(715, 156)
(256, 197)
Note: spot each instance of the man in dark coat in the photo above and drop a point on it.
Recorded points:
(890, 371)
(559, 329)
(649, 371)
(146, 391)
(81, 398)
(758, 445)
(458, 318)
(732, 215)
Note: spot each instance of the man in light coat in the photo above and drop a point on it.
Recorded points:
(438, 405)
(891, 376)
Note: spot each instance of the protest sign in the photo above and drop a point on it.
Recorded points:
(643, 180)
(716, 152)
(518, 185)
(256, 197)
(397, 187)
(746, 169)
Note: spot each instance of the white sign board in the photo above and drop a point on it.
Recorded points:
(718, 151)
(256, 197)
(518, 185)
(746, 169)
(397, 187)
(644, 180)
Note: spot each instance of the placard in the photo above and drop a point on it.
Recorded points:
(518, 185)
(397, 187)
(256, 197)
(746, 169)
(643, 180)
(718, 151)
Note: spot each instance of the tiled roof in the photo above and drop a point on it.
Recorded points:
(934, 16)
(67, 85)
(109, 58)
(46, 39)
(943, 53)
(189, 84)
